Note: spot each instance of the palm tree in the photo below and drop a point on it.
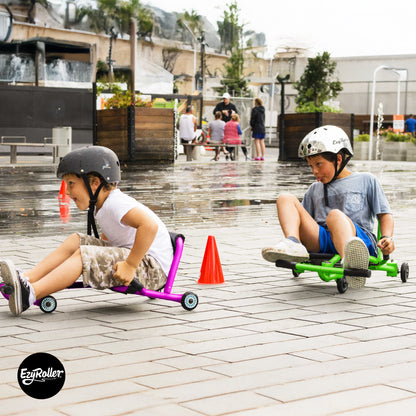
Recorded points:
(190, 21)
(113, 18)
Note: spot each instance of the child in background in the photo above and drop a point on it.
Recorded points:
(216, 135)
(232, 133)
(338, 212)
(134, 241)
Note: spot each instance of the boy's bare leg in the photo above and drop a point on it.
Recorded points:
(341, 228)
(295, 221)
(61, 277)
(300, 229)
(54, 259)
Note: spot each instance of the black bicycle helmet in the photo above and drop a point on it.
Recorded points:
(91, 159)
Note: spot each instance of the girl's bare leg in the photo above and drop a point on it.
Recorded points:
(60, 277)
(54, 259)
(217, 152)
(258, 147)
(262, 147)
(295, 221)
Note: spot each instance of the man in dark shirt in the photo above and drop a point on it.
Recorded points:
(226, 108)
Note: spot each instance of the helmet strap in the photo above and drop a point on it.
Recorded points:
(91, 226)
(345, 160)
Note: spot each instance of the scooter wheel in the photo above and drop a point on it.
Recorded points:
(342, 285)
(189, 301)
(6, 289)
(404, 272)
(48, 304)
(295, 274)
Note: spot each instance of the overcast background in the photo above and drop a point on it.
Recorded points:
(343, 28)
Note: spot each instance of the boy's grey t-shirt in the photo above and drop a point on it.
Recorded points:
(359, 196)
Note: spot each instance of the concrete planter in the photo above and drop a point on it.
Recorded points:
(394, 151)
(361, 150)
(411, 152)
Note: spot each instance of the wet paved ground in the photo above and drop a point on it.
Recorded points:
(262, 343)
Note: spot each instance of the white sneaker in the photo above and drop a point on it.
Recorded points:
(356, 256)
(286, 250)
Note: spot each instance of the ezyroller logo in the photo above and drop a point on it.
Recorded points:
(41, 375)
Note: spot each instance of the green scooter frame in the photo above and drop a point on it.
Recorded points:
(329, 267)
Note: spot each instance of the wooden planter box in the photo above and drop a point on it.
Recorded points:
(115, 131)
(154, 134)
(294, 127)
(137, 134)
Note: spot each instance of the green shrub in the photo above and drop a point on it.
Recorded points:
(362, 138)
(310, 107)
(391, 136)
(398, 137)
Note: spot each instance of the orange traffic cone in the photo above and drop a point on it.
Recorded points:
(64, 201)
(62, 190)
(64, 209)
(211, 270)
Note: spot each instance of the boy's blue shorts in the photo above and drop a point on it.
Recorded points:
(327, 246)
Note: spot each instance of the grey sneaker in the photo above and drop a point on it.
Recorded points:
(356, 256)
(285, 250)
(19, 298)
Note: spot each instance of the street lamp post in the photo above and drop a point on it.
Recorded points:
(273, 79)
(402, 74)
(373, 97)
(203, 44)
(282, 81)
(194, 43)
(399, 72)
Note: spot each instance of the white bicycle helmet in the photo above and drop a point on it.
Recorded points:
(325, 139)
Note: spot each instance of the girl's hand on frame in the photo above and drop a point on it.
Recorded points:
(124, 273)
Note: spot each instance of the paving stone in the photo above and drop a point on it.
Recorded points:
(262, 343)
(228, 403)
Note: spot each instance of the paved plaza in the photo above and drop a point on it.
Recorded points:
(262, 343)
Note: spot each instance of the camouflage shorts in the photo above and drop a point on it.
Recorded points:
(99, 258)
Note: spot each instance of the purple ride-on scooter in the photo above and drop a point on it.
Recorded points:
(188, 300)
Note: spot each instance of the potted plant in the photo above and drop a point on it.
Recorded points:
(133, 129)
(316, 88)
(397, 146)
(361, 147)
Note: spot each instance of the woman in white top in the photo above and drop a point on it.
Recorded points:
(187, 127)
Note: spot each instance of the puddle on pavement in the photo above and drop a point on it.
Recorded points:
(184, 195)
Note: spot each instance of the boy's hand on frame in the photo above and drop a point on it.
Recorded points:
(386, 244)
(124, 272)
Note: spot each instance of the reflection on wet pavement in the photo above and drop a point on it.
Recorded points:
(186, 194)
